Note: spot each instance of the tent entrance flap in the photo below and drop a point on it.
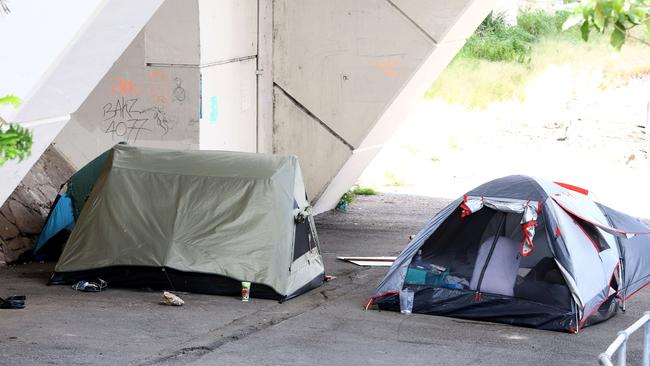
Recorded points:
(60, 222)
(304, 238)
(501, 232)
(302, 241)
(481, 253)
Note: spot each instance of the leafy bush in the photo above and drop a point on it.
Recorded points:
(497, 61)
(364, 191)
(539, 23)
(11, 100)
(349, 196)
(15, 141)
(621, 18)
(495, 40)
(346, 200)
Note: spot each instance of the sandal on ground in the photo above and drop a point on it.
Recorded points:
(13, 302)
(87, 286)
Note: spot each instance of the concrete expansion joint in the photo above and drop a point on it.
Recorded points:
(413, 22)
(240, 328)
(202, 65)
(313, 116)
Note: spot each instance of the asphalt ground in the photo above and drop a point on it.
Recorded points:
(326, 326)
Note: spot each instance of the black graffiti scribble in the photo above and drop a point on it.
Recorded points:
(161, 119)
(122, 108)
(179, 91)
(129, 129)
(125, 121)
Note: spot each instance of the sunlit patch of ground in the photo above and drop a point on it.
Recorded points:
(568, 129)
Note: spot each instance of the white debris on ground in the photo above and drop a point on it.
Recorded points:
(567, 130)
(171, 299)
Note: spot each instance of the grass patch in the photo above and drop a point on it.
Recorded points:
(477, 83)
(499, 60)
(364, 191)
(497, 41)
(494, 40)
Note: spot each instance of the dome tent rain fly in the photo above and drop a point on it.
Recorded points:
(198, 221)
(523, 251)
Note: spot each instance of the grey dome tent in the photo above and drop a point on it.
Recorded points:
(200, 221)
(523, 251)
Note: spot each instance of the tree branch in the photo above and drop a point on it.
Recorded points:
(629, 35)
(638, 39)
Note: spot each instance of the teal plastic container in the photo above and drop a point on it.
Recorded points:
(436, 279)
(416, 276)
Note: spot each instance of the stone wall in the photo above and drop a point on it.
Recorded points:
(23, 214)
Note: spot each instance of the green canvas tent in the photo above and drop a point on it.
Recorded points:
(200, 221)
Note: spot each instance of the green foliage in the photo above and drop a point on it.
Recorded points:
(495, 40)
(539, 23)
(477, 83)
(15, 140)
(11, 100)
(618, 18)
(477, 78)
(349, 196)
(15, 143)
(364, 191)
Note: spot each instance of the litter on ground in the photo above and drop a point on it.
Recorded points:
(171, 299)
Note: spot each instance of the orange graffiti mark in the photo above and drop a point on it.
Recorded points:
(158, 87)
(156, 91)
(124, 87)
(387, 67)
(158, 75)
(160, 100)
